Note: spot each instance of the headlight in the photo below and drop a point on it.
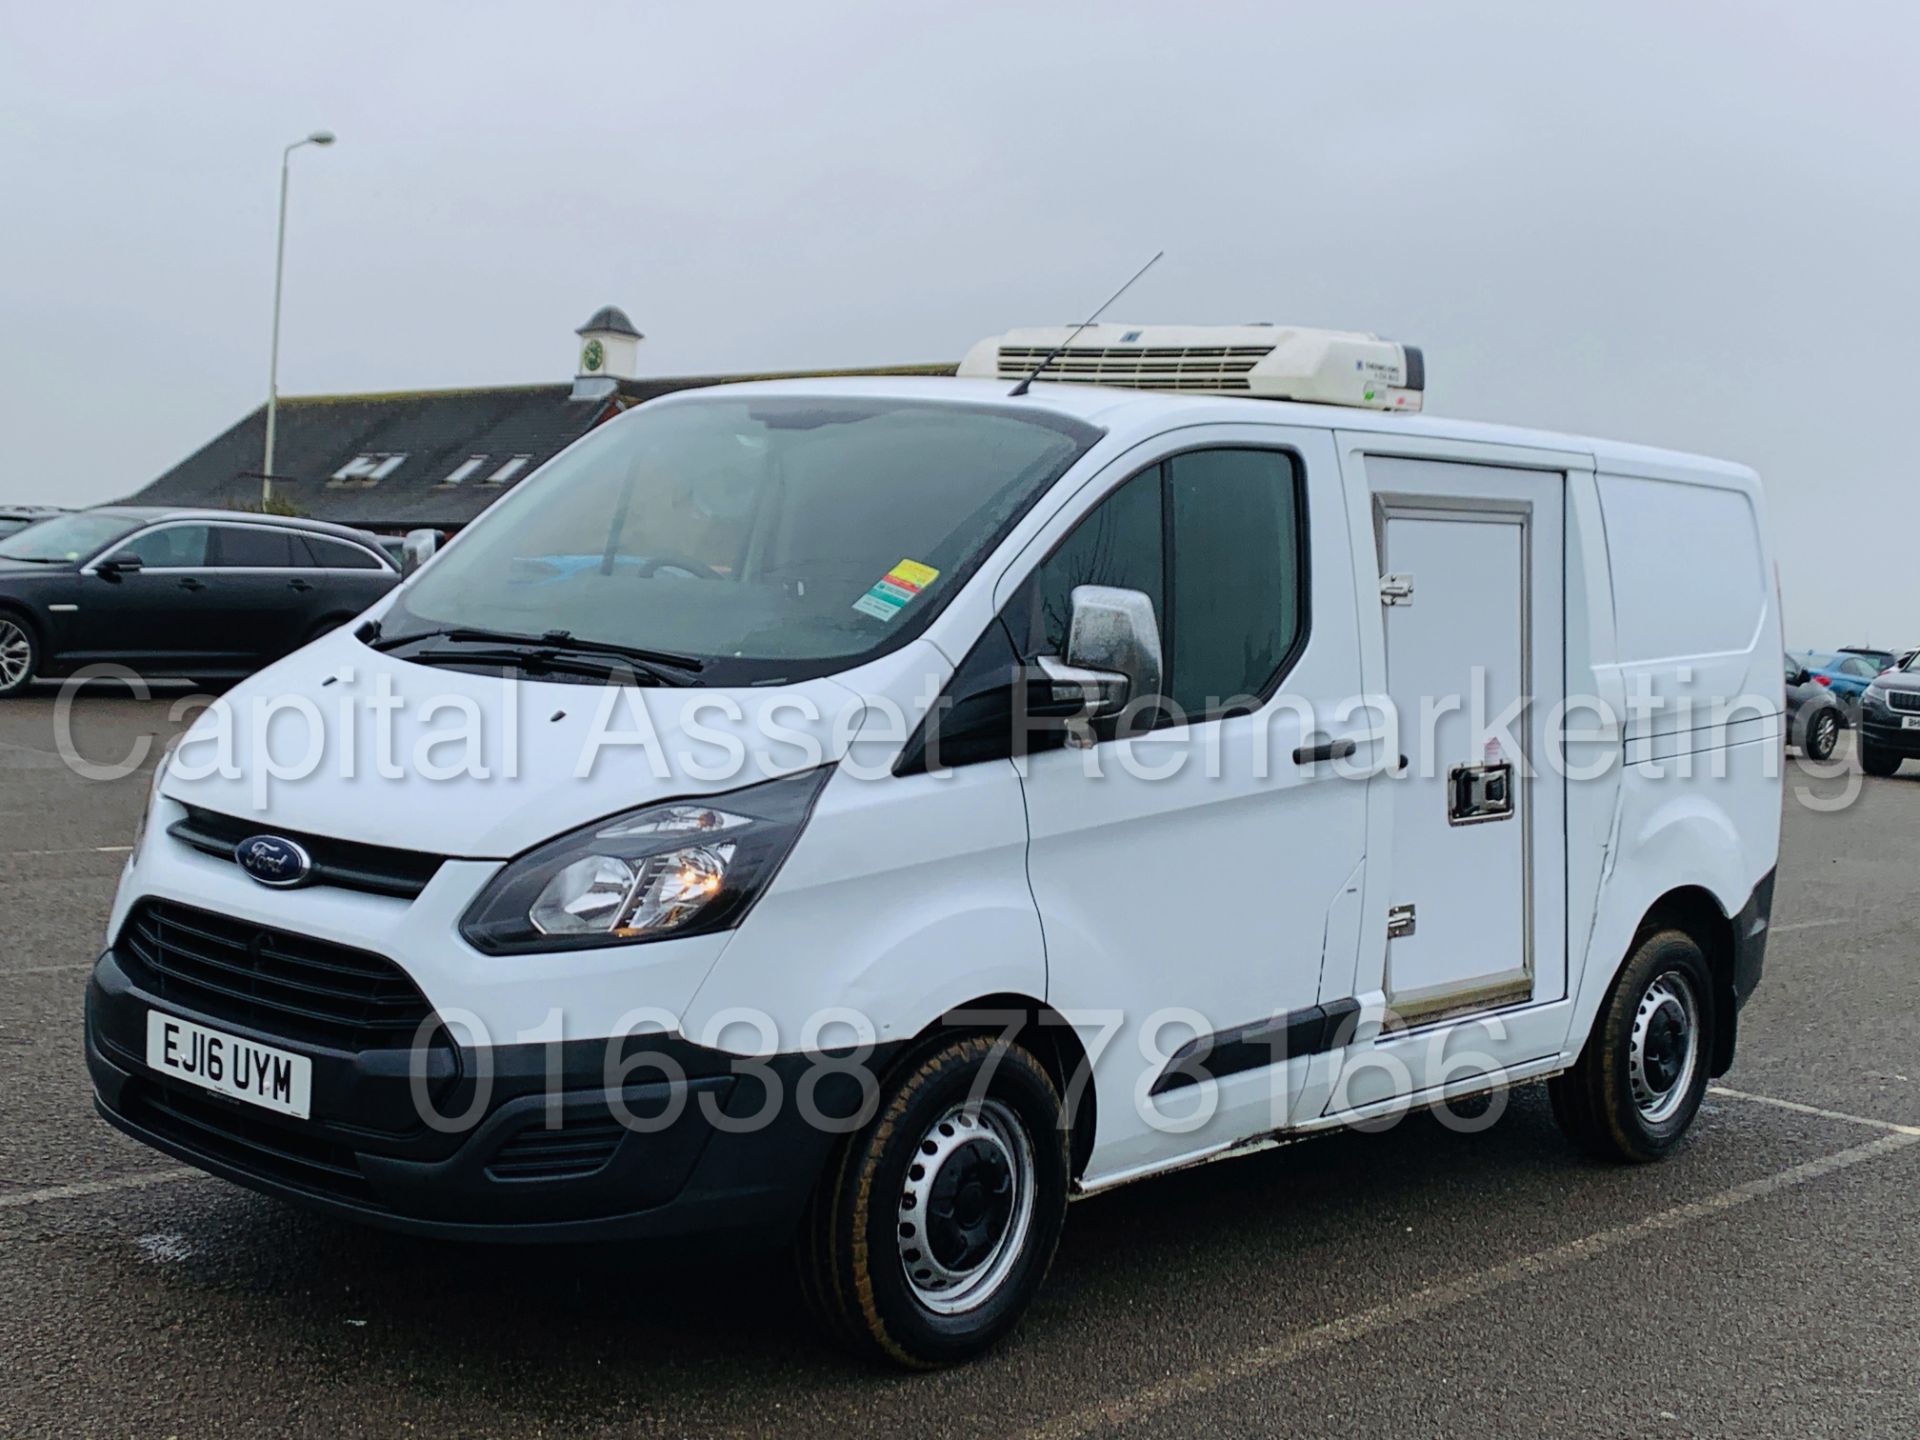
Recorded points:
(681, 868)
(153, 797)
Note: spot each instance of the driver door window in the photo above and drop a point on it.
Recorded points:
(171, 547)
(1121, 543)
(1213, 538)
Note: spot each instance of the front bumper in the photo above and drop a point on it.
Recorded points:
(717, 1145)
(1882, 730)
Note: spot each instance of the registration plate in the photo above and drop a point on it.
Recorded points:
(228, 1065)
(1910, 722)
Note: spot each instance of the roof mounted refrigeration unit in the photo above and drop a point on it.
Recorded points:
(1266, 362)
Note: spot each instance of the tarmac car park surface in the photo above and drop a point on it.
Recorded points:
(1494, 1283)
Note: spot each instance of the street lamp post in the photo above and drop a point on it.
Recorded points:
(318, 137)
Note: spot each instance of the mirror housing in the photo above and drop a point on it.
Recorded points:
(1802, 676)
(417, 548)
(1113, 652)
(998, 706)
(125, 563)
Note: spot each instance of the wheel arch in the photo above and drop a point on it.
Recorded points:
(1696, 911)
(1051, 1037)
(36, 628)
(20, 610)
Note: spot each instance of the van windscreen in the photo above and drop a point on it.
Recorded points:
(773, 537)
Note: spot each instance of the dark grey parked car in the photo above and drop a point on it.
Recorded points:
(204, 594)
(1890, 719)
(1814, 713)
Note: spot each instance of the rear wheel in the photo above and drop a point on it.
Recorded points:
(1823, 733)
(19, 655)
(934, 1226)
(1877, 760)
(1641, 1078)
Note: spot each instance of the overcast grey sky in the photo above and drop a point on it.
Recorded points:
(1691, 226)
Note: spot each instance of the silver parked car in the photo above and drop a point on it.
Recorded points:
(1814, 713)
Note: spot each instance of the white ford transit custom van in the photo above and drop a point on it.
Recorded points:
(869, 814)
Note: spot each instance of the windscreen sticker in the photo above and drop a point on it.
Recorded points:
(893, 590)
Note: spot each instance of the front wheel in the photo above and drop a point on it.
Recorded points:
(1641, 1078)
(1877, 761)
(934, 1226)
(19, 656)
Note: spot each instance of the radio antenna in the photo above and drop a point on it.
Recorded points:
(1021, 388)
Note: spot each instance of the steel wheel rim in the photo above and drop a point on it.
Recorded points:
(1665, 1053)
(16, 654)
(959, 1231)
(1826, 730)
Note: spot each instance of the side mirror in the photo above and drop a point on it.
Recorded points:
(127, 562)
(417, 548)
(1113, 652)
(1801, 677)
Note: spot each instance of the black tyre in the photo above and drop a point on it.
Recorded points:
(1640, 1080)
(1875, 760)
(19, 654)
(1823, 733)
(933, 1226)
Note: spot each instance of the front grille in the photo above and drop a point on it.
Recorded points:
(280, 984)
(580, 1146)
(377, 869)
(1908, 700)
(1142, 367)
(225, 1131)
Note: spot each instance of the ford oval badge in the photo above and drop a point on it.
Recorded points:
(274, 860)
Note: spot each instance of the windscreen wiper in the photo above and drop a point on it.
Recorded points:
(564, 640)
(537, 661)
(556, 640)
(555, 650)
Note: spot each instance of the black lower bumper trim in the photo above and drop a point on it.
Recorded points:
(722, 1148)
(1891, 738)
(1750, 929)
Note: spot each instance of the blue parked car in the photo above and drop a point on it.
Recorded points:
(1846, 674)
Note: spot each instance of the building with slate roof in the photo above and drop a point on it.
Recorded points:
(433, 458)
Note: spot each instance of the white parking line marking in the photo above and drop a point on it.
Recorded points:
(1804, 925)
(82, 1189)
(1153, 1399)
(1794, 1105)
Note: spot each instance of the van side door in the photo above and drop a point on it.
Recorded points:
(1193, 868)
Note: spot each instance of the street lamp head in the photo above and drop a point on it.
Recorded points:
(321, 137)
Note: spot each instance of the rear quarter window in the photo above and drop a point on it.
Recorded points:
(338, 555)
(1687, 570)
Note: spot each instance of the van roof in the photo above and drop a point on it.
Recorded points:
(1116, 407)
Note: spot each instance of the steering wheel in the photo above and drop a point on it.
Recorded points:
(676, 560)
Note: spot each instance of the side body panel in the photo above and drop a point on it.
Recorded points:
(1697, 666)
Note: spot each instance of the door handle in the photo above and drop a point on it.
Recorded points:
(1479, 793)
(1325, 750)
(298, 585)
(189, 583)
